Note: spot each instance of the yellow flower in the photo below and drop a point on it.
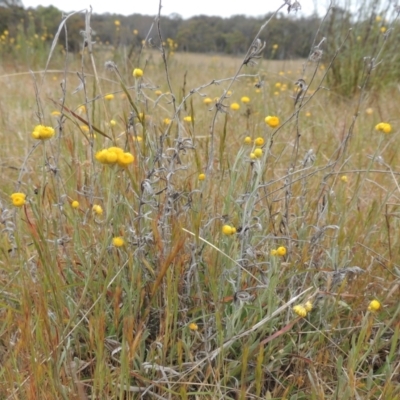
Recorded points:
(118, 241)
(245, 99)
(374, 306)
(278, 85)
(84, 128)
(18, 199)
(158, 92)
(369, 111)
(137, 73)
(42, 132)
(247, 140)
(308, 114)
(378, 18)
(300, 310)
(166, 121)
(137, 138)
(228, 230)
(258, 152)
(109, 96)
(81, 109)
(384, 127)
(135, 31)
(111, 157)
(125, 159)
(75, 204)
(273, 252)
(258, 90)
(207, 101)
(344, 179)
(272, 121)
(117, 23)
(259, 141)
(193, 326)
(202, 177)
(188, 119)
(55, 113)
(235, 106)
(97, 209)
(281, 251)
(252, 156)
(308, 306)
(275, 47)
(383, 29)
(113, 122)
(101, 156)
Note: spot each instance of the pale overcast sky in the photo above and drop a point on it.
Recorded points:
(186, 8)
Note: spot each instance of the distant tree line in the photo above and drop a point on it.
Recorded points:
(291, 34)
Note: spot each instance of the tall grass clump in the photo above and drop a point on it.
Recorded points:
(192, 227)
(372, 35)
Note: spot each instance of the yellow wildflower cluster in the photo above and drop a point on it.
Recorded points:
(272, 121)
(245, 99)
(384, 127)
(207, 101)
(228, 230)
(18, 199)
(193, 326)
(75, 204)
(114, 155)
(257, 153)
(280, 251)
(42, 132)
(235, 106)
(303, 309)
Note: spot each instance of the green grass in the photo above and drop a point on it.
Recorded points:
(182, 310)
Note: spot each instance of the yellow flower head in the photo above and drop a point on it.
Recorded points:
(117, 23)
(369, 111)
(188, 119)
(193, 326)
(247, 140)
(113, 122)
(97, 209)
(124, 159)
(272, 121)
(308, 306)
(75, 204)
(252, 156)
(344, 179)
(259, 141)
(374, 306)
(384, 127)
(281, 251)
(55, 113)
(118, 241)
(300, 310)
(109, 96)
(202, 177)
(18, 199)
(258, 152)
(207, 101)
(273, 252)
(228, 230)
(137, 73)
(166, 121)
(245, 99)
(235, 106)
(275, 47)
(42, 132)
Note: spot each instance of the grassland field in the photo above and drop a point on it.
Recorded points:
(224, 256)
